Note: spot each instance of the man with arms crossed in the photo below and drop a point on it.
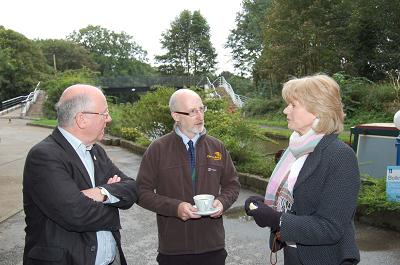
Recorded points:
(72, 190)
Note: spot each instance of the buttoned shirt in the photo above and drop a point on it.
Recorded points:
(106, 244)
(186, 139)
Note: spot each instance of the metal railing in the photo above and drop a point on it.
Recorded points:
(210, 90)
(238, 100)
(21, 101)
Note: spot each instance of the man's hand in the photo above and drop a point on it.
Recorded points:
(94, 194)
(187, 211)
(217, 204)
(114, 179)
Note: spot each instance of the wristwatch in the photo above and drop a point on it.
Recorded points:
(103, 192)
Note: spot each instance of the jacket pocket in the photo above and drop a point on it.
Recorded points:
(51, 254)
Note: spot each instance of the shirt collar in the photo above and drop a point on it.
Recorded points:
(75, 142)
(186, 139)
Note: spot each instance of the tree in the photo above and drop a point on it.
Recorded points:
(304, 37)
(67, 54)
(111, 50)
(246, 40)
(188, 45)
(22, 64)
(375, 38)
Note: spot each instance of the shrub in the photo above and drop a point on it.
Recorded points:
(129, 133)
(238, 136)
(59, 83)
(150, 114)
(256, 107)
(372, 196)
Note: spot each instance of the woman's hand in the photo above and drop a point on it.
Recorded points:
(263, 215)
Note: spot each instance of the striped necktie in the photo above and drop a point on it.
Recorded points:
(192, 160)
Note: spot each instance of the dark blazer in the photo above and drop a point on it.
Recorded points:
(61, 222)
(325, 200)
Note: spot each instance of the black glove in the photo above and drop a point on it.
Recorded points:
(263, 215)
(252, 199)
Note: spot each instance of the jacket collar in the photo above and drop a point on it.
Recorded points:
(314, 159)
(71, 153)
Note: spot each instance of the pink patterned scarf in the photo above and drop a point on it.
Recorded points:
(299, 145)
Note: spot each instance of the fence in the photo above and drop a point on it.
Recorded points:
(21, 101)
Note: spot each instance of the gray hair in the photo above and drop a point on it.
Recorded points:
(173, 103)
(67, 109)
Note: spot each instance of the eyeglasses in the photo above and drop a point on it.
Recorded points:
(104, 114)
(193, 112)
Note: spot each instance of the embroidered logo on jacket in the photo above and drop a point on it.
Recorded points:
(216, 156)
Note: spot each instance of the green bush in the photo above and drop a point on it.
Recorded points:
(150, 114)
(238, 136)
(59, 83)
(372, 196)
(261, 166)
(129, 133)
(362, 97)
(257, 107)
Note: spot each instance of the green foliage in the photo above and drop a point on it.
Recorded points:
(352, 91)
(115, 53)
(130, 133)
(22, 64)
(257, 106)
(258, 165)
(364, 99)
(246, 39)
(302, 38)
(367, 117)
(374, 34)
(67, 54)
(188, 46)
(59, 83)
(237, 134)
(305, 37)
(372, 196)
(150, 114)
(216, 104)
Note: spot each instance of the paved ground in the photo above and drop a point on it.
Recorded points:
(246, 243)
(15, 141)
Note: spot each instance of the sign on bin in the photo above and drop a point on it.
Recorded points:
(393, 183)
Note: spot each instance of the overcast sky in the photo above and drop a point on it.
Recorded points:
(144, 20)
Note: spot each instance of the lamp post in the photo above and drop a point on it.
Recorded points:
(396, 120)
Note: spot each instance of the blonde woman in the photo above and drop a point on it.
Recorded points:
(311, 197)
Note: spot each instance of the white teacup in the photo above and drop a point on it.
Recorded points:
(203, 202)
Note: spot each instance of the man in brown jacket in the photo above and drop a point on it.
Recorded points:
(175, 168)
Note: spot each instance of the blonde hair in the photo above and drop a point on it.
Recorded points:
(320, 95)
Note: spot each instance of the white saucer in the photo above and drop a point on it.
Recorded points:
(205, 213)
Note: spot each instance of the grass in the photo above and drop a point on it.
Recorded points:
(46, 122)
